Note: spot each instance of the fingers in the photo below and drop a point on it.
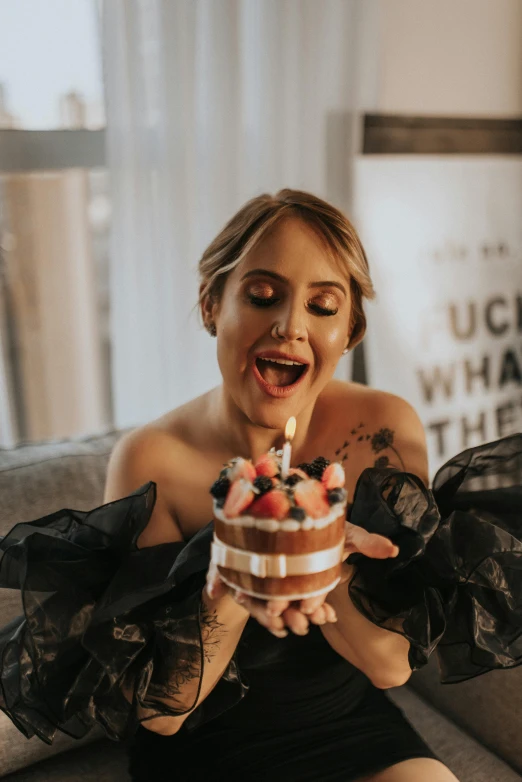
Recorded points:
(258, 609)
(311, 604)
(296, 620)
(323, 614)
(368, 543)
(278, 615)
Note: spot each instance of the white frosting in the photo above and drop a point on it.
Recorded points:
(287, 525)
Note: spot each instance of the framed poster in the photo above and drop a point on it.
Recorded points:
(444, 242)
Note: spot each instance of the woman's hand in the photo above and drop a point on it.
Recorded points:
(359, 540)
(277, 615)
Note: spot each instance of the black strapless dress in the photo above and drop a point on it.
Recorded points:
(99, 613)
(308, 716)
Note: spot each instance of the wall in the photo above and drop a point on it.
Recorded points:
(449, 57)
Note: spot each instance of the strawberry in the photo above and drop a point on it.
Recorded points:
(311, 495)
(272, 505)
(242, 468)
(333, 476)
(239, 497)
(268, 465)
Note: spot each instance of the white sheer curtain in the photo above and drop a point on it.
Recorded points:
(209, 103)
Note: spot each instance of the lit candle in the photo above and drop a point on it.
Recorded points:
(287, 447)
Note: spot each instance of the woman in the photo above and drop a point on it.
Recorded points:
(226, 685)
(290, 297)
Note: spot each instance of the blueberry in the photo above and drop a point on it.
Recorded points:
(336, 495)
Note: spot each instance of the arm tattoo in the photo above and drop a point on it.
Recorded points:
(183, 665)
(381, 440)
(212, 632)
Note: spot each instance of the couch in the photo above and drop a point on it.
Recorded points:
(475, 727)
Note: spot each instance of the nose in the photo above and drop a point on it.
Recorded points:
(290, 325)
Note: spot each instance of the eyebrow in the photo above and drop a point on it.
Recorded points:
(280, 278)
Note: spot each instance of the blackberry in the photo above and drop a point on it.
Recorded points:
(220, 502)
(219, 488)
(316, 468)
(336, 495)
(320, 464)
(263, 483)
(297, 513)
(293, 479)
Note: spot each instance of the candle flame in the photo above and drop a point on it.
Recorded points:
(290, 429)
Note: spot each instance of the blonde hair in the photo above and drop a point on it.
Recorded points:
(246, 228)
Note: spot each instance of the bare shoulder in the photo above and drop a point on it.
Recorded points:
(152, 450)
(168, 452)
(377, 428)
(140, 456)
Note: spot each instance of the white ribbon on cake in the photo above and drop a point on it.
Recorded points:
(275, 565)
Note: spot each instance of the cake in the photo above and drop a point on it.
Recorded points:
(279, 538)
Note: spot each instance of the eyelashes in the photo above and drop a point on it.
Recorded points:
(263, 301)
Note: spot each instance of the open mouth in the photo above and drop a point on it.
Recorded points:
(280, 373)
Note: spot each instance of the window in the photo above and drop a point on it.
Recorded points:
(54, 223)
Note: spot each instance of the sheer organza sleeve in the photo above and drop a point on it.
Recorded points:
(109, 631)
(456, 585)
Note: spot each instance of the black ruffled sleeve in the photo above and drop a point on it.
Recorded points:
(456, 585)
(103, 618)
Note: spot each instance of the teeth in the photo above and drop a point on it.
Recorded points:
(283, 361)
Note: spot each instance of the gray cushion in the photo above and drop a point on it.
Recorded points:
(104, 761)
(469, 760)
(36, 480)
(489, 706)
(17, 752)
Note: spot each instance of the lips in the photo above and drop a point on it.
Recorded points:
(279, 374)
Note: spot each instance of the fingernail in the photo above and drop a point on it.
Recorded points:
(273, 611)
(240, 598)
(302, 632)
(279, 633)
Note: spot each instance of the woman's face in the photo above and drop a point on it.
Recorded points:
(287, 301)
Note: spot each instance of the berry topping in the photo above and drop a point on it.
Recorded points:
(220, 488)
(293, 479)
(242, 468)
(333, 476)
(296, 471)
(320, 464)
(238, 498)
(263, 483)
(336, 495)
(272, 505)
(311, 495)
(298, 514)
(268, 465)
(316, 468)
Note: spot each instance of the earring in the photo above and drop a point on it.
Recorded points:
(345, 351)
(211, 328)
